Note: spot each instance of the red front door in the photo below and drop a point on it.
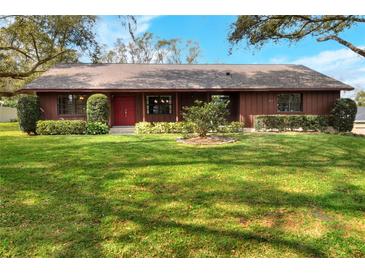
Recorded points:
(124, 109)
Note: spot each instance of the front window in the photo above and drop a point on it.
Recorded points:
(71, 104)
(222, 97)
(290, 102)
(159, 104)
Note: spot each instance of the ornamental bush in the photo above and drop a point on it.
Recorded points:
(97, 108)
(96, 128)
(292, 122)
(144, 128)
(207, 116)
(233, 127)
(28, 110)
(343, 114)
(181, 127)
(163, 127)
(61, 127)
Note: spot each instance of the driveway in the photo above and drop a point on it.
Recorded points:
(359, 130)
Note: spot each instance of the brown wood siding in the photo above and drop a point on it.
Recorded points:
(261, 103)
(244, 105)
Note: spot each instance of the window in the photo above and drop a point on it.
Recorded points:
(159, 104)
(290, 102)
(222, 97)
(71, 104)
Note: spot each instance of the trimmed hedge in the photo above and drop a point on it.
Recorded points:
(292, 122)
(71, 127)
(61, 127)
(232, 127)
(180, 127)
(163, 127)
(28, 111)
(96, 128)
(343, 114)
(97, 108)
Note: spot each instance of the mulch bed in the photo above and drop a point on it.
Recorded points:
(209, 140)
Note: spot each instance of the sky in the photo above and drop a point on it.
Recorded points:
(211, 33)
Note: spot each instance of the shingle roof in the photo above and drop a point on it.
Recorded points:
(150, 76)
(360, 115)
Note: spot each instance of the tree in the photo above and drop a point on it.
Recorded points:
(360, 98)
(28, 112)
(207, 116)
(97, 108)
(31, 44)
(259, 29)
(343, 114)
(145, 48)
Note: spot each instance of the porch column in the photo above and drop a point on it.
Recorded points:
(240, 107)
(177, 108)
(143, 108)
(110, 99)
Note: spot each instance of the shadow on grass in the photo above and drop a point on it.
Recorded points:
(85, 182)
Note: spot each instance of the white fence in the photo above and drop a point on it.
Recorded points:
(7, 114)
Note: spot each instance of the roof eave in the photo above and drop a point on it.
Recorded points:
(26, 90)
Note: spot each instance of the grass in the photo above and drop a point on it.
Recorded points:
(268, 195)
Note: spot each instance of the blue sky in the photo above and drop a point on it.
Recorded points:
(211, 33)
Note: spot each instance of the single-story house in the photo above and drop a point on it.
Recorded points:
(152, 92)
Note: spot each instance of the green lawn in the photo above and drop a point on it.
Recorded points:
(268, 195)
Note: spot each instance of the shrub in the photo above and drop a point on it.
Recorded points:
(207, 116)
(144, 127)
(233, 127)
(292, 122)
(96, 128)
(163, 127)
(343, 114)
(97, 108)
(61, 127)
(181, 127)
(28, 110)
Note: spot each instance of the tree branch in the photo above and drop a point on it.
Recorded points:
(19, 75)
(35, 47)
(17, 50)
(344, 43)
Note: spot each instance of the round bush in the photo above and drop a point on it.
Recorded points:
(98, 108)
(28, 109)
(343, 114)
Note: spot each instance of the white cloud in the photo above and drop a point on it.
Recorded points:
(342, 64)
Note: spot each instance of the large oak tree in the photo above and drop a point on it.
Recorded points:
(31, 44)
(256, 30)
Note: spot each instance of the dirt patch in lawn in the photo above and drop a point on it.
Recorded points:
(209, 140)
(295, 222)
